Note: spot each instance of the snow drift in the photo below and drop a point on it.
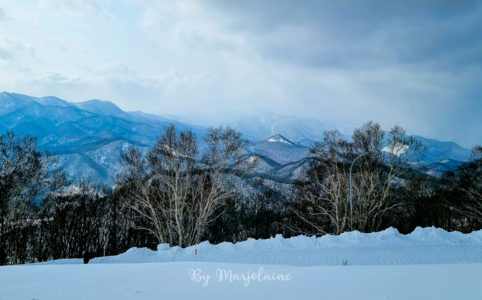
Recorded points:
(388, 247)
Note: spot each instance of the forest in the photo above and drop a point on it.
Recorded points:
(180, 194)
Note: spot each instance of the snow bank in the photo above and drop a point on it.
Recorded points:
(388, 247)
(427, 275)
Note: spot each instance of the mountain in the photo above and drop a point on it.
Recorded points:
(89, 137)
(438, 168)
(436, 150)
(296, 129)
(100, 107)
(306, 132)
(279, 149)
(278, 138)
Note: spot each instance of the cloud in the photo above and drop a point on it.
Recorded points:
(119, 75)
(77, 8)
(115, 82)
(416, 63)
(361, 34)
(16, 56)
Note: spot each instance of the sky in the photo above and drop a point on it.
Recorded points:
(413, 63)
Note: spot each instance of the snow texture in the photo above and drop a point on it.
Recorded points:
(388, 247)
(439, 265)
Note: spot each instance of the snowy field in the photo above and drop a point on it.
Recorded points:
(173, 281)
(427, 264)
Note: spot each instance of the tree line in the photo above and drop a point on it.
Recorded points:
(181, 194)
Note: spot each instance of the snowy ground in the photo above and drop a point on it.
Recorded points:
(427, 264)
(388, 247)
(173, 281)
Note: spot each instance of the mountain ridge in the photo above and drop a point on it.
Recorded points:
(93, 133)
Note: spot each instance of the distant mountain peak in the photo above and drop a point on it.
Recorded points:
(98, 102)
(88, 137)
(50, 100)
(100, 107)
(278, 138)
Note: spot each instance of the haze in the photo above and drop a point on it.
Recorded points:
(413, 63)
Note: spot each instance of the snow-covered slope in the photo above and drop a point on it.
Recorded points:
(278, 138)
(260, 126)
(429, 263)
(203, 281)
(89, 136)
(279, 149)
(438, 168)
(436, 150)
(388, 247)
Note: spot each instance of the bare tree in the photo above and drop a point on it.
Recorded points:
(469, 186)
(177, 191)
(325, 198)
(22, 171)
(325, 206)
(382, 170)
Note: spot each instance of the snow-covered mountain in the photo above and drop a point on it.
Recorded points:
(306, 132)
(296, 129)
(438, 168)
(89, 137)
(279, 149)
(436, 150)
(280, 161)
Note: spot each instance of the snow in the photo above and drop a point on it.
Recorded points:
(388, 247)
(253, 158)
(396, 149)
(429, 263)
(176, 281)
(278, 138)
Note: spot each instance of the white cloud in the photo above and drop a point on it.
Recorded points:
(208, 59)
(77, 8)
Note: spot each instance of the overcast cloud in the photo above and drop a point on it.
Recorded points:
(413, 63)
